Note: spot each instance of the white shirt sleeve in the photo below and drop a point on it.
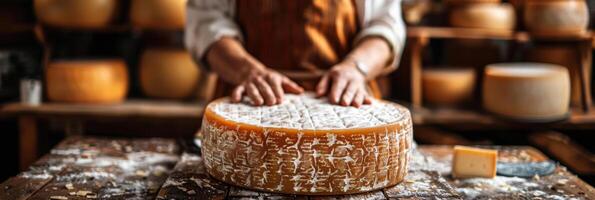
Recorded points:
(382, 18)
(208, 21)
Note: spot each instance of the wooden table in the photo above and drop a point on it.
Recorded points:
(85, 167)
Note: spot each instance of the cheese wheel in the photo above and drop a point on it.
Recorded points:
(168, 73)
(158, 14)
(527, 91)
(467, 2)
(307, 146)
(566, 56)
(447, 86)
(87, 81)
(76, 13)
(484, 16)
(560, 18)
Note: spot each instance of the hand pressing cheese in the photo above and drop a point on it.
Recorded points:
(469, 162)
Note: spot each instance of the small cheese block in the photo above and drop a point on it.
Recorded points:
(484, 16)
(447, 86)
(306, 145)
(158, 14)
(76, 13)
(469, 162)
(168, 73)
(556, 18)
(527, 91)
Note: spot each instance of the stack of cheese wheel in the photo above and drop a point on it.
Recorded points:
(87, 81)
(493, 16)
(168, 73)
(566, 56)
(307, 146)
(556, 18)
(76, 13)
(527, 91)
(158, 14)
(447, 86)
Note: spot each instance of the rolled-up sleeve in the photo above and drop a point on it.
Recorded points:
(206, 22)
(382, 18)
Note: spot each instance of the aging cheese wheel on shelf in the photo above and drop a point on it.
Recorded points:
(76, 13)
(168, 73)
(527, 91)
(307, 146)
(484, 16)
(87, 81)
(469, 162)
(447, 86)
(158, 14)
(556, 18)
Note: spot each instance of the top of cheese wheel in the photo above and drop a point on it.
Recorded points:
(520, 70)
(306, 112)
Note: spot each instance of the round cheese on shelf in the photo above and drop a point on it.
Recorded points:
(484, 16)
(87, 81)
(527, 91)
(556, 18)
(307, 146)
(158, 14)
(76, 13)
(168, 73)
(447, 86)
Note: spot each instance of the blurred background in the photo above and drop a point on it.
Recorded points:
(119, 68)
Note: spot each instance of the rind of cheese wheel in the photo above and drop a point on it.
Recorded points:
(307, 146)
(76, 13)
(556, 18)
(527, 91)
(469, 162)
(87, 81)
(168, 73)
(158, 14)
(484, 16)
(447, 86)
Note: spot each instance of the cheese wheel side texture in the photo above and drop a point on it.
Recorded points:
(76, 13)
(168, 73)
(447, 86)
(484, 16)
(158, 14)
(527, 91)
(310, 162)
(87, 81)
(556, 18)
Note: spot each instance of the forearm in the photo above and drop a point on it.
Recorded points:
(374, 53)
(228, 58)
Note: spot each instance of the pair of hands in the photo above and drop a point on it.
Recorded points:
(343, 84)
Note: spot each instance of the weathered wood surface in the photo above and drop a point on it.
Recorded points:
(84, 168)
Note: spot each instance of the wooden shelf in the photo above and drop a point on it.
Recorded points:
(474, 33)
(466, 119)
(130, 108)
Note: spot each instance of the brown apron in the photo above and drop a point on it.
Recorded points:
(299, 38)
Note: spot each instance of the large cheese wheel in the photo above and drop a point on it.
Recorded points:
(87, 81)
(484, 16)
(168, 73)
(527, 91)
(447, 86)
(556, 18)
(158, 14)
(566, 56)
(76, 13)
(307, 146)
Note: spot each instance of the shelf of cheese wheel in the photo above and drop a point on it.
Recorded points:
(87, 81)
(158, 14)
(86, 14)
(484, 16)
(307, 146)
(556, 18)
(168, 73)
(533, 92)
(447, 85)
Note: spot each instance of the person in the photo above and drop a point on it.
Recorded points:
(262, 49)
